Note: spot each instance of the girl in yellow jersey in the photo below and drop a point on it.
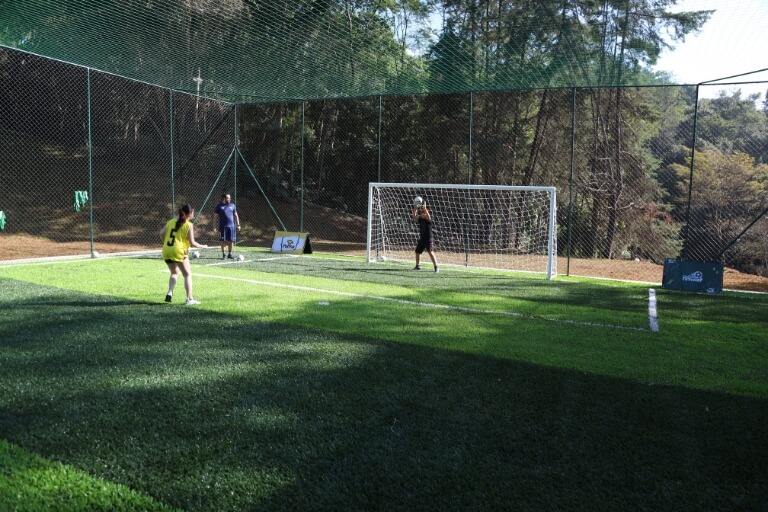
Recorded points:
(179, 236)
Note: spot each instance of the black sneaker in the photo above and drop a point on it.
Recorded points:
(168, 298)
(223, 256)
(437, 270)
(229, 257)
(417, 267)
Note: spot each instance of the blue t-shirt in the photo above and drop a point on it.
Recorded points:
(226, 213)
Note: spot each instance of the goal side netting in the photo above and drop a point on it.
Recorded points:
(481, 226)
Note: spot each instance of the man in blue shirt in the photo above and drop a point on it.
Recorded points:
(228, 222)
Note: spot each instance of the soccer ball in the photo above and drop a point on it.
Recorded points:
(195, 254)
(240, 257)
(417, 201)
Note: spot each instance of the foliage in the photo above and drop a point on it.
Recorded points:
(302, 50)
(727, 194)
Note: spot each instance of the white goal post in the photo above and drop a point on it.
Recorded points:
(481, 226)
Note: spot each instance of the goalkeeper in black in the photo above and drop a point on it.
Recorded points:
(424, 218)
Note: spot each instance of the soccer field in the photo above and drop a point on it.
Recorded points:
(327, 383)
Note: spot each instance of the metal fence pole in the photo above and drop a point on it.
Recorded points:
(469, 160)
(237, 144)
(301, 205)
(690, 179)
(90, 161)
(378, 174)
(467, 226)
(173, 179)
(570, 183)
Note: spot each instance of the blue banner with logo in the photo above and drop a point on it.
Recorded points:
(693, 276)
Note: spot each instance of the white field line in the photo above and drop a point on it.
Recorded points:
(71, 258)
(284, 257)
(33, 263)
(221, 263)
(653, 317)
(423, 304)
(233, 262)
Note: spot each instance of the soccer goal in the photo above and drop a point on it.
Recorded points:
(481, 226)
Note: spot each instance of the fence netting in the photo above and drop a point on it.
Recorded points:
(642, 173)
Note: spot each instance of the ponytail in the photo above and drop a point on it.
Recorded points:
(182, 218)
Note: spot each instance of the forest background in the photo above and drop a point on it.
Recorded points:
(517, 93)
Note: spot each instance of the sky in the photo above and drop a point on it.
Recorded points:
(732, 42)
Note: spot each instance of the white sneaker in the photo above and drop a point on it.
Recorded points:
(192, 302)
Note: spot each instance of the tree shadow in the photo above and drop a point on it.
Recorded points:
(207, 411)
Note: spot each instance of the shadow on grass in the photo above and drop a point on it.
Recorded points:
(207, 411)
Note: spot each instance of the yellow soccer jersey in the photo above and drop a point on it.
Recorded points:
(176, 241)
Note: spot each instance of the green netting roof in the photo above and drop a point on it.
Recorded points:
(276, 50)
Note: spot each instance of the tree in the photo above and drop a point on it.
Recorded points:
(728, 192)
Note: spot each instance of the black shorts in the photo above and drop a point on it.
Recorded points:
(424, 243)
(228, 234)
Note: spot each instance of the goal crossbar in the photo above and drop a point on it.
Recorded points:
(480, 226)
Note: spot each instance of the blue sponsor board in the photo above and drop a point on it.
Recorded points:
(693, 276)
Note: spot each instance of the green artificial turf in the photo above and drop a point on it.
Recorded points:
(324, 384)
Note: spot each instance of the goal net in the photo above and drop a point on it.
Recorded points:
(482, 226)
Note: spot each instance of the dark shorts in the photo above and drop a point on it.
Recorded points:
(228, 234)
(422, 244)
